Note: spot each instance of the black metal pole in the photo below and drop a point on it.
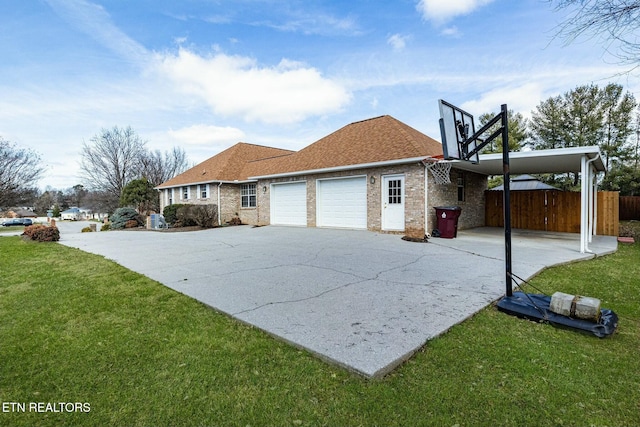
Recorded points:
(506, 198)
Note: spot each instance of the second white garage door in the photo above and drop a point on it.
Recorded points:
(289, 203)
(342, 202)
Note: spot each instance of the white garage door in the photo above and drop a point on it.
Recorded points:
(289, 203)
(342, 202)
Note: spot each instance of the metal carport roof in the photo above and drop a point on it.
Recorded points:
(585, 160)
(560, 160)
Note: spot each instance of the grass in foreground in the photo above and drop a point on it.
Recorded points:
(75, 327)
(11, 228)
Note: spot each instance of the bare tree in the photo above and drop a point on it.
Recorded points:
(615, 21)
(112, 159)
(157, 168)
(20, 170)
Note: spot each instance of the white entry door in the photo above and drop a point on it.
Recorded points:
(393, 202)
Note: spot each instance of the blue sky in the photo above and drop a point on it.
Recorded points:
(204, 75)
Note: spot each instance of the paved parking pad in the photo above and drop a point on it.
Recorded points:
(364, 300)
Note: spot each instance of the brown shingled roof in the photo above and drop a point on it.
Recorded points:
(229, 165)
(379, 139)
(374, 140)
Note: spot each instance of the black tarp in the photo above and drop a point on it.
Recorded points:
(536, 307)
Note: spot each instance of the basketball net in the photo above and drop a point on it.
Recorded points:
(440, 169)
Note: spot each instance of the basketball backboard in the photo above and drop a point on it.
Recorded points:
(456, 126)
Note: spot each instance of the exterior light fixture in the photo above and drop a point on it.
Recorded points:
(372, 179)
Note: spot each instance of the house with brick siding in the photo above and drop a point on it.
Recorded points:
(367, 175)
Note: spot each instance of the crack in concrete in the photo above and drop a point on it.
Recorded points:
(362, 280)
(299, 299)
(468, 252)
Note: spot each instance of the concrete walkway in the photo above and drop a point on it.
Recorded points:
(363, 300)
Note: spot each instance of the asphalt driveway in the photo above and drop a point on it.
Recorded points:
(363, 300)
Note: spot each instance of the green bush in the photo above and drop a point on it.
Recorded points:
(86, 230)
(121, 217)
(105, 227)
(171, 213)
(42, 233)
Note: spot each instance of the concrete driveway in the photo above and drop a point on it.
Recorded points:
(363, 300)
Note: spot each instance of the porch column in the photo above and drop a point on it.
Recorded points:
(593, 215)
(584, 206)
(587, 196)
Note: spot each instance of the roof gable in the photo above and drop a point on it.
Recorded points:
(379, 139)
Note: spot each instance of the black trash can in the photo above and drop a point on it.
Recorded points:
(448, 220)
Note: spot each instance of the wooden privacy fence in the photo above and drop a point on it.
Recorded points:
(629, 208)
(551, 210)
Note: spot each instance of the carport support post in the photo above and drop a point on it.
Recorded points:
(506, 198)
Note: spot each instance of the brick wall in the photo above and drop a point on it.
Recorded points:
(230, 201)
(473, 210)
(414, 200)
(447, 195)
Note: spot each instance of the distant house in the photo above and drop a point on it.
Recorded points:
(525, 183)
(21, 213)
(76, 214)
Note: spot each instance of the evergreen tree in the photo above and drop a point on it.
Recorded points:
(140, 195)
(623, 178)
(584, 116)
(546, 125)
(517, 125)
(617, 111)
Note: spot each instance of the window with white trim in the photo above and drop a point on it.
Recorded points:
(248, 194)
(169, 196)
(185, 193)
(395, 191)
(203, 189)
(460, 187)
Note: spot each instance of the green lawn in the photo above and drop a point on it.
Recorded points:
(75, 327)
(11, 228)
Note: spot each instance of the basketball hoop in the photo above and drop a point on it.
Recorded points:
(440, 169)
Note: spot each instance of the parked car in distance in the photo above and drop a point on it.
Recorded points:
(17, 221)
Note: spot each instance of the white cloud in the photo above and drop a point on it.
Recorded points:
(315, 23)
(440, 11)
(521, 98)
(451, 32)
(238, 86)
(397, 41)
(94, 20)
(207, 135)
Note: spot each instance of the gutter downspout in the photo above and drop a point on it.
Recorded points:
(426, 200)
(219, 207)
(593, 200)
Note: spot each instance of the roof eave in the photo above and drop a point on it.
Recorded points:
(215, 181)
(341, 168)
(558, 160)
